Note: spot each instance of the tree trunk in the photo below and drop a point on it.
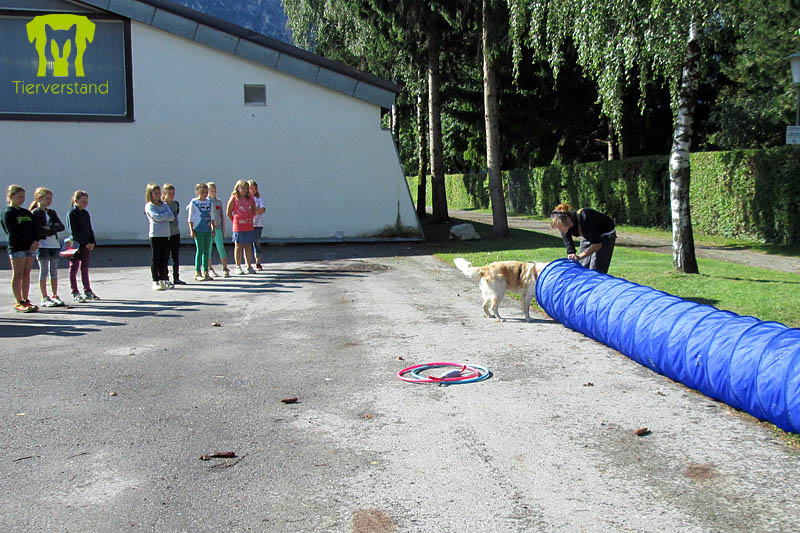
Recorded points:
(395, 125)
(435, 128)
(613, 153)
(493, 154)
(422, 151)
(683, 255)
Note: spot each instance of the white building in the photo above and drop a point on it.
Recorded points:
(171, 95)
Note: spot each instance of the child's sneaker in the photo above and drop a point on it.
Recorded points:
(226, 273)
(78, 297)
(89, 295)
(239, 271)
(258, 266)
(178, 282)
(33, 308)
(157, 286)
(251, 270)
(47, 302)
(207, 277)
(22, 308)
(199, 277)
(213, 272)
(58, 301)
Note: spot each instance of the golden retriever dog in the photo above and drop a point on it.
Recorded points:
(496, 278)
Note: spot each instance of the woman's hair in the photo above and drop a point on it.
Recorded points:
(149, 192)
(562, 213)
(77, 196)
(199, 187)
(252, 183)
(236, 189)
(12, 190)
(38, 194)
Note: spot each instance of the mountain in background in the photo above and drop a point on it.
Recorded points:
(266, 17)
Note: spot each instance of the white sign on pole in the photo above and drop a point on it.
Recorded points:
(792, 134)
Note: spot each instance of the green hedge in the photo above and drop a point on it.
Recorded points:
(751, 193)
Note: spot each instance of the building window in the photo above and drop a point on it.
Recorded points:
(255, 95)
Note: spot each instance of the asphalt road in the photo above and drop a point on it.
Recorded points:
(547, 444)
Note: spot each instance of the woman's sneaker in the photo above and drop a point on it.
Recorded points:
(58, 301)
(226, 273)
(239, 271)
(89, 295)
(78, 297)
(47, 302)
(259, 267)
(251, 270)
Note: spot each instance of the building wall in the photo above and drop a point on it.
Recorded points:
(326, 168)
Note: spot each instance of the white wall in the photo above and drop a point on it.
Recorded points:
(323, 163)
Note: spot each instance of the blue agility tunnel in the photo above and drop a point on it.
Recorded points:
(747, 363)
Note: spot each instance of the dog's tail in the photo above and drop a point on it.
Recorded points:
(466, 267)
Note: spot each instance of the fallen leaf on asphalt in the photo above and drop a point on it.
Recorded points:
(400, 358)
(21, 414)
(660, 393)
(112, 393)
(590, 384)
(641, 432)
(290, 400)
(216, 324)
(205, 458)
(368, 416)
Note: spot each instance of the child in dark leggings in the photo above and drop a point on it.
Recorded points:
(168, 197)
(80, 224)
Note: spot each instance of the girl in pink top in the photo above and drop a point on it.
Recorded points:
(241, 210)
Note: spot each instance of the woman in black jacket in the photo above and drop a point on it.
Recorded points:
(596, 230)
(49, 248)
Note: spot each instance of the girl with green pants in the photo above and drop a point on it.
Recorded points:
(201, 227)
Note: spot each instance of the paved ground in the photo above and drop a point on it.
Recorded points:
(731, 254)
(546, 444)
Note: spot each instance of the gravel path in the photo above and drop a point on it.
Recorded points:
(654, 244)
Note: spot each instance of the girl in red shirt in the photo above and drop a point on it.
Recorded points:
(241, 210)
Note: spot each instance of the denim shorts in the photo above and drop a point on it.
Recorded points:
(19, 255)
(244, 237)
(48, 253)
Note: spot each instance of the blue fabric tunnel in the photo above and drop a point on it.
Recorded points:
(747, 363)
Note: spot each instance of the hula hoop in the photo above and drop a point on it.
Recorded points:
(477, 373)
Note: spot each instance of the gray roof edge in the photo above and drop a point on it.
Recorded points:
(262, 40)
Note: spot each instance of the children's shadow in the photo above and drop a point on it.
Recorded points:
(18, 328)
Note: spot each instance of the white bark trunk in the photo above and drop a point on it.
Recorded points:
(422, 153)
(435, 128)
(683, 254)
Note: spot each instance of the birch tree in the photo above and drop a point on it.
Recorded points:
(662, 39)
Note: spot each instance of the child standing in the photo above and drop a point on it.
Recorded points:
(219, 235)
(49, 247)
(241, 210)
(168, 198)
(22, 234)
(201, 227)
(258, 225)
(159, 215)
(80, 224)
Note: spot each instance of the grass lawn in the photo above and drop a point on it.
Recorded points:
(765, 294)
